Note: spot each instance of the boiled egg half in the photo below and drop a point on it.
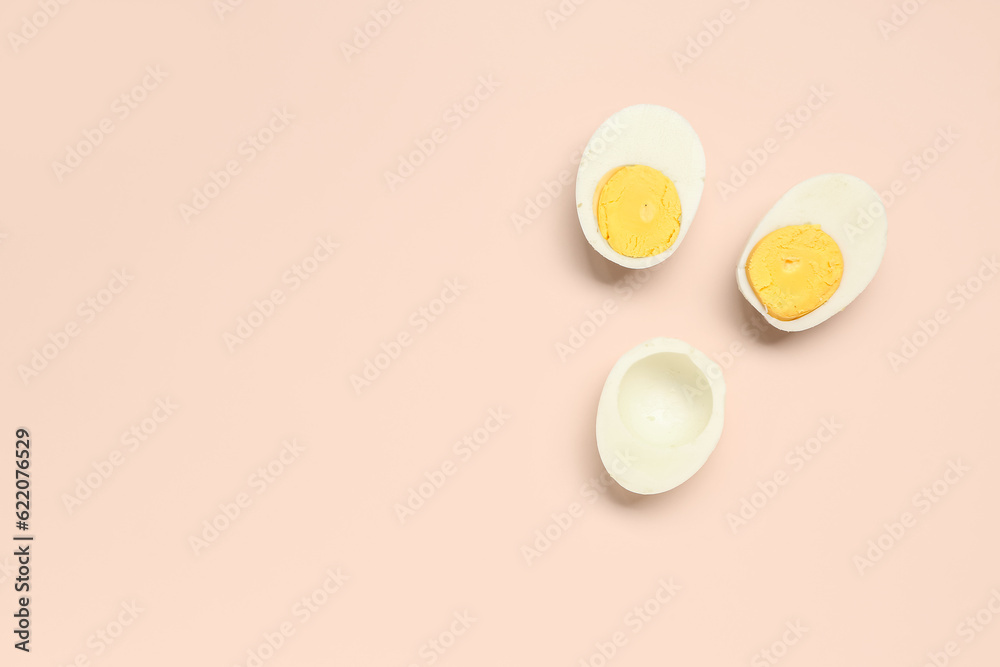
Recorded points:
(814, 252)
(660, 415)
(639, 184)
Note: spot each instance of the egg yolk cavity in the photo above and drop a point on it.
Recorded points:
(795, 270)
(638, 211)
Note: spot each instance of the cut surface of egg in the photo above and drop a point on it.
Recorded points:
(814, 252)
(660, 415)
(639, 184)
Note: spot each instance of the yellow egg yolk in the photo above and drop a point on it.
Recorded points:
(638, 211)
(795, 270)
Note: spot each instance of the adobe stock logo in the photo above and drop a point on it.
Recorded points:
(420, 320)
(365, 34)
(923, 500)
(247, 151)
(464, 449)
(263, 309)
(635, 620)
(593, 319)
(303, 610)
(713, 28)
(108, 635)
(561, 522)
(914, 167)
(454, 117)
(137, 435)
(551, 190)
(899, 16)
(958, 297)
(30, 25)
(120, 109)
(787, 126)
(778, 649)
(797, 457)
(971, 627)
(562, 12)
(434, 648)
(231, 510)
(87, 310)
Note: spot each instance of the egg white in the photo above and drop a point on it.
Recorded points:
(640, 454)
(852, 213)
(644, 134)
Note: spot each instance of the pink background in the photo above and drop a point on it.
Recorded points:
(495, 344)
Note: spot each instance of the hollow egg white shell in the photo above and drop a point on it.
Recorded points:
(644, 134)
(660, 415)
(852, 213)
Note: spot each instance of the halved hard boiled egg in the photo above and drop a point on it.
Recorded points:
(660, 415)
(814, 252)
(639, 184)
